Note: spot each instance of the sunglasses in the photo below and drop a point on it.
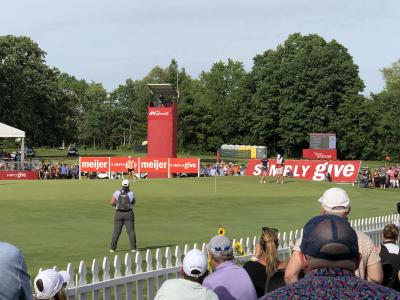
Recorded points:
(264, 229)
(219, 249)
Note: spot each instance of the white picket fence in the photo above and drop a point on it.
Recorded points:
(141, 278)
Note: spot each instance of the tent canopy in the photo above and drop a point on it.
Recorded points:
(8, 131)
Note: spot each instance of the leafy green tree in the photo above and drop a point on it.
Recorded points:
(29, 93)
(298, 88)
(220, 92)
(386, 107)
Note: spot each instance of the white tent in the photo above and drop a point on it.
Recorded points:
(7, 131)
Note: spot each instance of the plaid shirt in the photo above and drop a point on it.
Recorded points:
(332, 283)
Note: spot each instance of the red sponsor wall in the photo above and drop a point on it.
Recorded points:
(184, 165)
(341, 171)
(324, 154)
(95, 164)
(149, 165)
(154, 165)
(18, 175)
(118, 164)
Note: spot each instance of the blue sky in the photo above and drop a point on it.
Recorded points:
(111, 41)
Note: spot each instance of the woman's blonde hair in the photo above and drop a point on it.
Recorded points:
(269, 243)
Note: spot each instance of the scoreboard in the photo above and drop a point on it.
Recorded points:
(322, 140)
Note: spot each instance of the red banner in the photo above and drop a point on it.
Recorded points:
(18, 175)
(94, 164)
(161, 131)
(183, 165)
(153, 165)
(340, 171)
(118, 164)
(324, 154)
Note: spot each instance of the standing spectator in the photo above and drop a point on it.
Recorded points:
(335, 201)
(267, 260)
(280, 165)
(235, 170)
(123, 200)
(389, 252)
(396, 178)
(130, 166)
(228, 280)
(382, 177)
(365, 177)
(14, 278)
(229, 169)
(189, 287)
(64, 171)
(50, 285)
(264, 168)
(329, 254)
(46, 171)
(375, 178)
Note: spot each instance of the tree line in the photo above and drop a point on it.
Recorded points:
(306, 84)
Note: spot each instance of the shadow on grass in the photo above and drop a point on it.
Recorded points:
(145, 248)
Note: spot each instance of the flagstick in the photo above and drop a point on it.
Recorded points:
(215, 182)
(216, 172)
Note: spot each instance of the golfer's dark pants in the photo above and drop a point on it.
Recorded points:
(124, 218)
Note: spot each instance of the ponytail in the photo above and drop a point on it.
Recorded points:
(269, 243)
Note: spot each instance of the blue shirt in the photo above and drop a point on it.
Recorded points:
(64, 170)
(14, 278)
(230, 282)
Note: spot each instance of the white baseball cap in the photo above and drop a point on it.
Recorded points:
(49, 282)
(335, 199)
(195, 263)
(125, 183)
(220, 246)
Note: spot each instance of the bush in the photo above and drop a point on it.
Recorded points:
(126, 147)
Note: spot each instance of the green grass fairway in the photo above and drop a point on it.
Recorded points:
(61, 221)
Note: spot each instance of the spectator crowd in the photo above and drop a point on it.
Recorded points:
(54, 170)
(382, 177)
(222, 169)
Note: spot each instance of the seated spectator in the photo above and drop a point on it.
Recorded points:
(329, 254)
(228, 280)
(335, 201)
(50, 285)
(189, 287)
(389, 252)
(267, 260)
(14, 278)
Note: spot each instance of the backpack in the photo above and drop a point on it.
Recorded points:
(123, 201)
